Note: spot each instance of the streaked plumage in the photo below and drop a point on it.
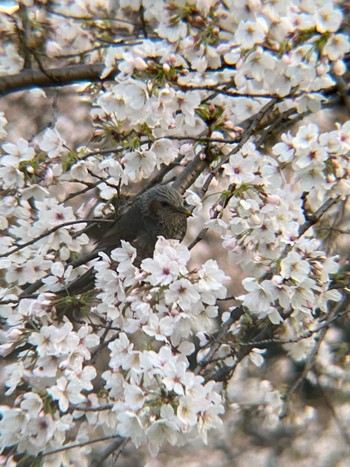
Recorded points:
(158, 212)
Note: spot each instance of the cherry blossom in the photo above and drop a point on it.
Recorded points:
(53, 143)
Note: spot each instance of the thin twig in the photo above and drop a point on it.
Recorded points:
(310, 361)
(99, 408)
(49, 232)
(219, 338)
(80, 445)
(292, 340)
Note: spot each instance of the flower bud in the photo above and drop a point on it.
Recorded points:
(339, 67)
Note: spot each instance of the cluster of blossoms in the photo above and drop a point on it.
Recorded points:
(289, 274)
(206, 68)
(156, 395)
(151, 396)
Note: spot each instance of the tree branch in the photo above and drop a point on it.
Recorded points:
(82, 444)
(115, 448)
(64, 76)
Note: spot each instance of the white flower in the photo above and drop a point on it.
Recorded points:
(40, 432)
(212, 278)
(313, 155)
(13, 425)
(337, 46)
(286, 149)
(163, 429)
(36, 192)
(300, 350)
(32, 403)
(134, 396)
(136, 95)
(273, 315)
(130, 426)
(165, 151)
(303, 297)
(163, 111)
(170, 32)
(66, 340)
(250, 33)
(187, 411)
(46, 368)
(51, 213)
(139, 164)
(344, 136)
(10, 176)
(87, 340)
(60, 277)
(159, 328)
(194, 200)
(151, 359)
(209, 419)
(122, 353)
(110, 59)
(53, 143)
(240, 169)
(260, 64)
(112, 167)
(328, 18)
(114, 383)
(311, 177)
(325, 297)
(175, 377)
(162, 270)
(130, 63)
(259, 297)
(113, 102)
(306, 135)
(20, 151)
(44, 340)
(125, 256)
(79, 172)
(294, 267)
(182, 292)
(66, 393)
(187, 104)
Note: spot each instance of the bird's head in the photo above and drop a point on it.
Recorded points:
(164, 201)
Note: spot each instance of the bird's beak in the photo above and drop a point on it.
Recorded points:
(185, 211)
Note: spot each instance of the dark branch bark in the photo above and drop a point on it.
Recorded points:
(64, 76)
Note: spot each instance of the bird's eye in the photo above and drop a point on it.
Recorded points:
(164, 204)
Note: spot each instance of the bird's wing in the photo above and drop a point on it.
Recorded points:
(127, 228)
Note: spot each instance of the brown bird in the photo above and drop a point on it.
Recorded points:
(158, 212)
